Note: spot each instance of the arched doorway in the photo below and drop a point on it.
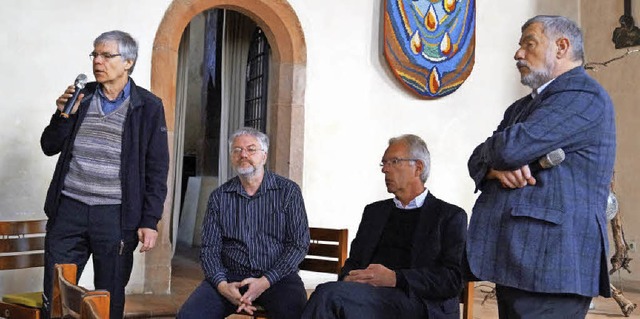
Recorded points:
(286, 98)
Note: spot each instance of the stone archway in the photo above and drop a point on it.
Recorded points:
(286, 98)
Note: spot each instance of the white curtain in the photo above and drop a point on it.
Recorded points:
(181, 102)
(236, 39)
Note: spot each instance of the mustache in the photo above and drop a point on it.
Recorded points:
(522, 63)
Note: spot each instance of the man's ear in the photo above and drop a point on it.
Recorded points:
(419, 167)
(127, 65)
(562, 47)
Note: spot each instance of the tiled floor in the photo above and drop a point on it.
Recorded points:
(187, 274)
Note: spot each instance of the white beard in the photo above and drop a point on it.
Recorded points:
(536, 78)
(246, 171)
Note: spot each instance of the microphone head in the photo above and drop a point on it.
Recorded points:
(81, 81)
(612, 205)
(552, 159)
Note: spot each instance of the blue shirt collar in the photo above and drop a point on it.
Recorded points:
(121, 97)
(414, 203)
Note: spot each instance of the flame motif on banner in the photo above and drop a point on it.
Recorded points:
(430, 44)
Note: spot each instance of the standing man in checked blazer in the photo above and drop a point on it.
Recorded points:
(542, 237)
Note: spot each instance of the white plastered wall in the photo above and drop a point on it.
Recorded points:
(45, 45)
(354, 105)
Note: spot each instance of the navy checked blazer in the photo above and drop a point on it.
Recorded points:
(551, 237)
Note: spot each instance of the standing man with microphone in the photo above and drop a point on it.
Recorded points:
(543, 239)
(110, 181)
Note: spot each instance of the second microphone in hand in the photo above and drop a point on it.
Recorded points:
(552, 159)
(80, 82)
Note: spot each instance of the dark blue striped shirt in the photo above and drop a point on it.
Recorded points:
(266, 234)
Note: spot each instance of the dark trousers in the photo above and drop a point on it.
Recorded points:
(350, 300)
(519, 304)
(80, 230)
(283, 300)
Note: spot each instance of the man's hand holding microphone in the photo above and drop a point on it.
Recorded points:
(524, 175)
(69, 101)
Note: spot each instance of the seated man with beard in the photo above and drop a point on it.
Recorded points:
(254, 236)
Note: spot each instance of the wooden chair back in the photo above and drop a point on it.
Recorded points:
(67, 296)
(22, 244)
(69, 299)
(327, 251)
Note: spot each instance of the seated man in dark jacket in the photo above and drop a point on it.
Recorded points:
(405, 261)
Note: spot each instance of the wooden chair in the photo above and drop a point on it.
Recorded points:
(327, 253)
(21, 246)
(73, 301)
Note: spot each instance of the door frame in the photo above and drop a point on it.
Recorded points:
(286, 100)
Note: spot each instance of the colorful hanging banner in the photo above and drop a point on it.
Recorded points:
(430, 44)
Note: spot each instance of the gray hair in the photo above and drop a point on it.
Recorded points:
(417, 150)
(559, 26)
(262, 138)
(127, 45)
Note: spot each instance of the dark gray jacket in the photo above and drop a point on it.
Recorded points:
(144, 162)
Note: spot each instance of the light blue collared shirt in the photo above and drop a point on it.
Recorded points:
(109, 106)
(414, 203)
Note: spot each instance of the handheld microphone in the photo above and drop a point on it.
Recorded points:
(552, 159)
(80, 82)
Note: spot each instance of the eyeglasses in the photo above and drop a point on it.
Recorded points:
(395, 161)
(250, 150)
(104, 55)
